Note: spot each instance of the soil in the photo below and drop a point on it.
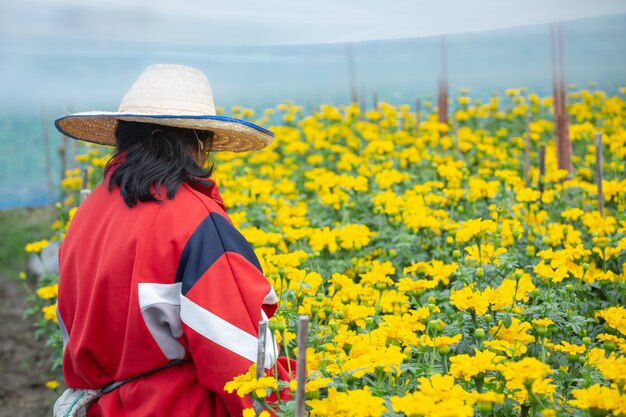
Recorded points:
(24, 362)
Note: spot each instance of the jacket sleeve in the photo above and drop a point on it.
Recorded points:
(224, 295)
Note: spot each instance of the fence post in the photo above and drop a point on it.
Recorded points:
(303, 330)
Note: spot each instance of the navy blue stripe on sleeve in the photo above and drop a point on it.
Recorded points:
(214, 236)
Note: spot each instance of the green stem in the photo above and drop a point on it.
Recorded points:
(286, 352)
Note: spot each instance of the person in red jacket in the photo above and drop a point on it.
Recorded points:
(152, 271)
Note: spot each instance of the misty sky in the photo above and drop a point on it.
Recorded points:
(272, 22)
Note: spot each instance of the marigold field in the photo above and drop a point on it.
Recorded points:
(439, 281)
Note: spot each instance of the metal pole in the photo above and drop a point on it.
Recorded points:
(260, 359)
(303, 330)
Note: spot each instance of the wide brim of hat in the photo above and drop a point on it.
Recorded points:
(230, 134)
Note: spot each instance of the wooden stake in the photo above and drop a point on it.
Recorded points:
(303, 331)
(598, 143)
(418, 116)
(527, 152)
(442, 101)
(62, 155)
(354, 96)
(260, 359)
(46, 147)
(85, 191)
(542, 167)
(375, 99)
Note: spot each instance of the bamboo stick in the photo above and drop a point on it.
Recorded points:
(354, 95)
(84, 191)
(442, 100)
(598, 143)
(418, 116)
(542, 167)
(527, 152)
(302, 337)
(46, 147)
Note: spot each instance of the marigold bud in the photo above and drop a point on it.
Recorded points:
(484, 406)
(277, 325)
(433, 325)
(443, 350)
(609, 345)
(479, 333)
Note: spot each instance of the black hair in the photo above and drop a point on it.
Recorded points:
(155, 155)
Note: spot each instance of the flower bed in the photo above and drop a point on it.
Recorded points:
(439, 281)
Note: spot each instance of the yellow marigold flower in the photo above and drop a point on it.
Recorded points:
(438, 270)
(614, 317)
(487, 254)
(312, 385)
(53, 384)
(417, 286)
(379, 274)
(613, 368)
(547, 272)
(502, 296)
(354, 236)
(48, 292)
(50, 312)
(569, 348)
(343, 404)
(469, 300)
(525, 371)
(542, 322)
(325, 238)
(527, 195)
(466, 367)
(474, 228)
(440, 341)
(249, 412)
(597, 398)
(437, 396)
(572, 214)
(36, 247)
(248, 384)
(488, 397)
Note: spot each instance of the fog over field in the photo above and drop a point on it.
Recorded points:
(63, 72)
(51, 74)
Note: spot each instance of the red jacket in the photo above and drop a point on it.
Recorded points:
(142, 286)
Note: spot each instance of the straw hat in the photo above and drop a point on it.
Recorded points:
(170, 95)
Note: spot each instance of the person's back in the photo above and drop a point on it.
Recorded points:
(152, 273)
(120, 301)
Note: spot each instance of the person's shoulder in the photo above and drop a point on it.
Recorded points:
(189, 208)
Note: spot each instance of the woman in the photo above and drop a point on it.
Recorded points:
(155, 282)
